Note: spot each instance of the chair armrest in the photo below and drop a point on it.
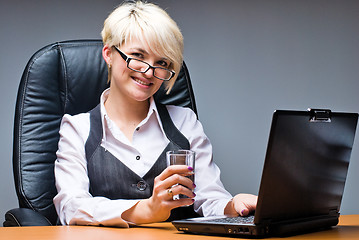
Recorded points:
(20, 217)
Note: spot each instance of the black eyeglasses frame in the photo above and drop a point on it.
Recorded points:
(128, 60)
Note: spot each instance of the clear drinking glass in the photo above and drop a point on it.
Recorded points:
(181, 157)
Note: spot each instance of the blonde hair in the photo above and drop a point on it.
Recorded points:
(148, 23)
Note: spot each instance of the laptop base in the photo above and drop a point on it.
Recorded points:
(281, 229)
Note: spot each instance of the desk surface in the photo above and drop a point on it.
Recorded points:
(348, 228)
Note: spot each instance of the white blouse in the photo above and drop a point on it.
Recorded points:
(74, 203)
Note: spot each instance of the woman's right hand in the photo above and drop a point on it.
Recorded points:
(158, 207)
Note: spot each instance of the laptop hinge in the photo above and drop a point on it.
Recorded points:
(320, 115)
(333, 212)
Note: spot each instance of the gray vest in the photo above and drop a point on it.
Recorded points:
(110, 178)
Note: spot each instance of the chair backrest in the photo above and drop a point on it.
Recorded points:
(64, 77)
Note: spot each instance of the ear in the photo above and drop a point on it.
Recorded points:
(107, 54)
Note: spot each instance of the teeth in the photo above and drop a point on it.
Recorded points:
(141, 82)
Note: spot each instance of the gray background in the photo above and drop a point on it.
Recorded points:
(246, 59)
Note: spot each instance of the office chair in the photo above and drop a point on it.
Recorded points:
(64, 77)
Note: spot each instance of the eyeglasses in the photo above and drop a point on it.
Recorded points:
(142, 67)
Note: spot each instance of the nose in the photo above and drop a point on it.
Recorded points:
(149, 72)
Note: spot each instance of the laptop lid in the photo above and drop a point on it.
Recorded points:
(303, 176)
(306, 164)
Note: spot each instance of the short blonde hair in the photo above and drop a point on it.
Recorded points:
(149, 23)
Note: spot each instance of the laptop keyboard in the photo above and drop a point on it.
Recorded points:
(237, 220)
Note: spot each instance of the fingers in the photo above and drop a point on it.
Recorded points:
(179, 189)
(243, 210)
(173, 181)
(178, 179)
(171, 204)
(175, 169)
(244, 204)
(173, 175)
(163, 201)
(179, 201)
(169, 192)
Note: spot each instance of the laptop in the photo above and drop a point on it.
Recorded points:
(303, 178)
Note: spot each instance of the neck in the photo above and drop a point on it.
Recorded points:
(126, 114)
(128, 111)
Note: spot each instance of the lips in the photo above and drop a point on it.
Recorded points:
(142, 82)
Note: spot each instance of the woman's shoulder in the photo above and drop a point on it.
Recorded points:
(184, 118)
(181, 113)
(186, 121)
(79, 123)
(77, 118)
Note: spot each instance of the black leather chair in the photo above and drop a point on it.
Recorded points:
(64, 77)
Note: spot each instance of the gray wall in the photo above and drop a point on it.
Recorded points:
(246, 59)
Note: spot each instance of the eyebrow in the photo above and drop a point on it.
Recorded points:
(145, 52)
(140, 50)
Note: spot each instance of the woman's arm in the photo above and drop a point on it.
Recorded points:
(212, 198)
(74, 203)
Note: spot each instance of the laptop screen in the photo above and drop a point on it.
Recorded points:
(306, 165)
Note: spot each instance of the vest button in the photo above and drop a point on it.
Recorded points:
(138, 157)
(141, 185)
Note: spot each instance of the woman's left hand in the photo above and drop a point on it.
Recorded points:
(242, 204)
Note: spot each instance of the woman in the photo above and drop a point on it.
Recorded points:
(110, 168)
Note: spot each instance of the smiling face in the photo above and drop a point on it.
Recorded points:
(150, 24)
(128, 84)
